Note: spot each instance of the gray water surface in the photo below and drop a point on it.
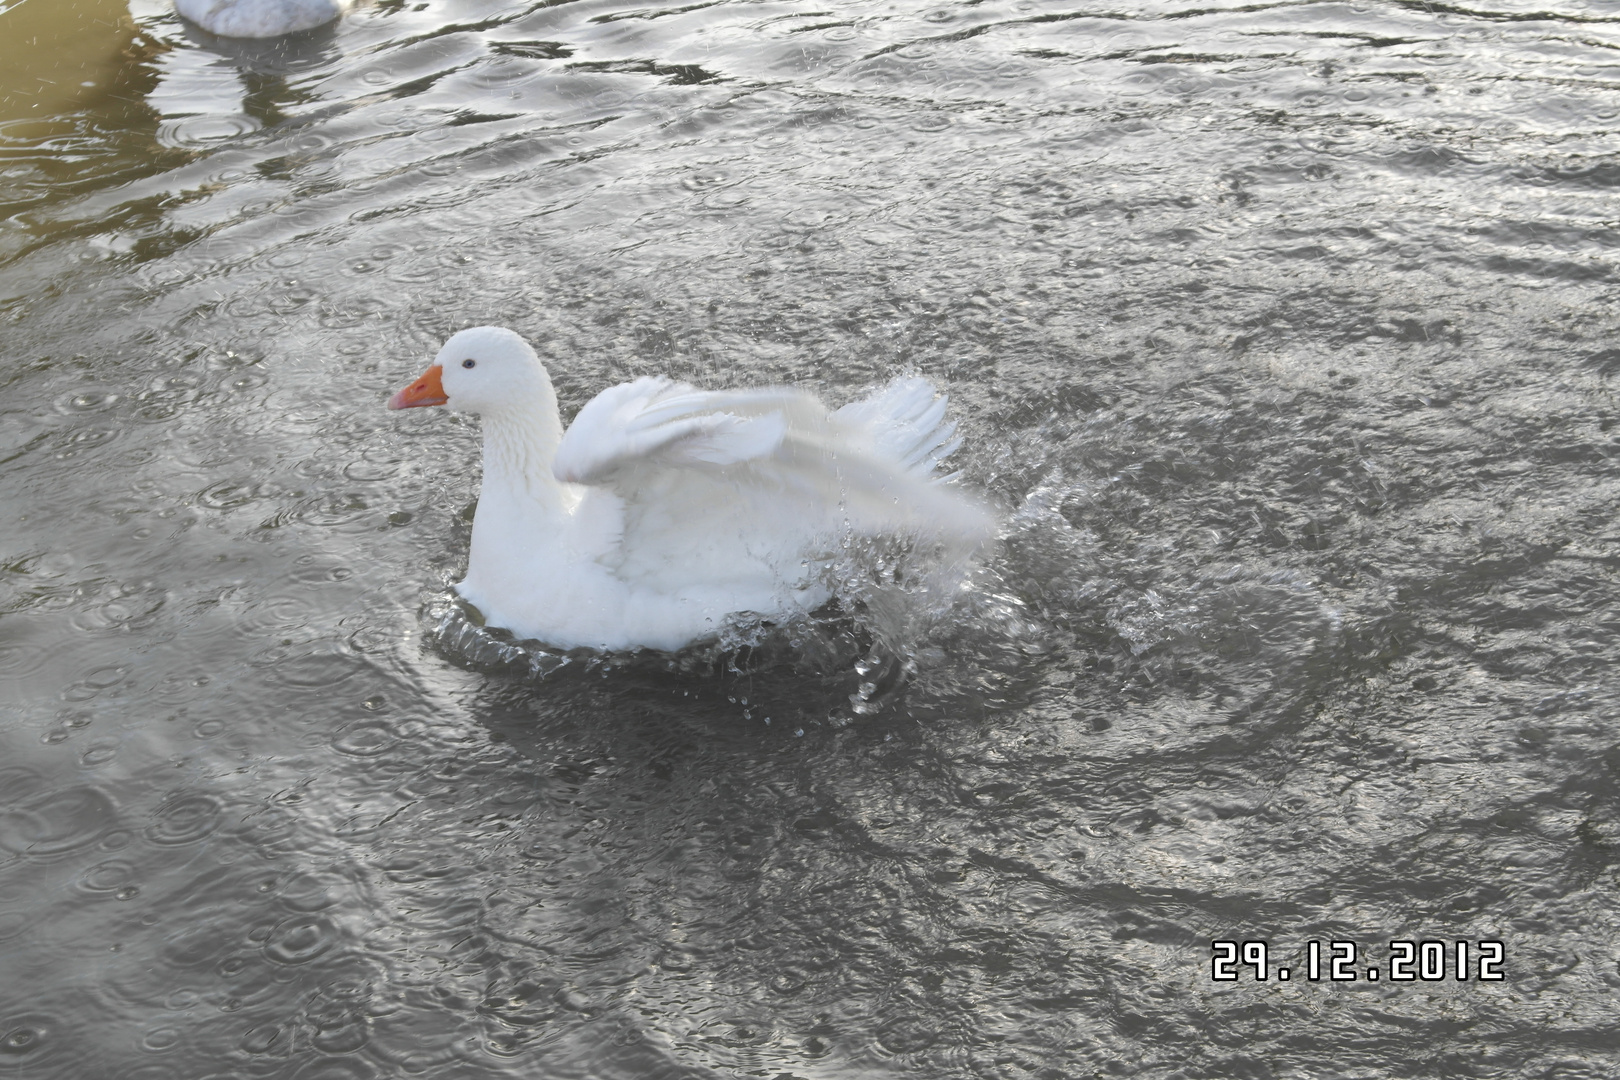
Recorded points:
(1282, 334)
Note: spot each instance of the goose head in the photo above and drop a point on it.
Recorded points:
(487, 370)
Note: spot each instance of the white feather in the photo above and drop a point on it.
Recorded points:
(663, 509)
(260, 18)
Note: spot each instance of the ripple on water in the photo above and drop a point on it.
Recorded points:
(725, 201)
(352, 312)
(230, 494)
(18, 783)
(26, 1039)
(264, 1039)
(184, 819)
(311, 671)
(181, 686)
(267, 827)
(124, 607)
(368, 738)
(424, 1044)
(249, 980)
(205, 131)
(19, 660)
(313, 571)
(86, 401)
(300, 939)
(339, 1010)
(182, 999)
(286, 258)
(153, 1072)
(907, 1035)
(83, 439)
(503, 72)
(813, 218)
(374, 640)
(344, 1038)
(262, 617)
(371, 471)
(788, 980)
(414, 271)
(194, 946)
(334, 510)
(97, 682)
(107, 877)
(211, 442)
(336, 1068)
(308, 892)
(57, 822)
(99, 752)
(156, 407)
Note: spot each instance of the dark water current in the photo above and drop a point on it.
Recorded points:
(1283, 333)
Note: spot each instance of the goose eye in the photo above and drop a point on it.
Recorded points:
(469, 363)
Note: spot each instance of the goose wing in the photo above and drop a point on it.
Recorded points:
(734, 483)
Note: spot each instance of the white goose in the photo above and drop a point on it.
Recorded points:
(664, 509)
(260, 18)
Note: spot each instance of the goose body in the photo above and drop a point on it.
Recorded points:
(664, 509)
(260, 18)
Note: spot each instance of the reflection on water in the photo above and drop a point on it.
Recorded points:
(54, 56)
(1283, 335)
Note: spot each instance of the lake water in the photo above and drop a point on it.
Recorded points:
(1283, 335)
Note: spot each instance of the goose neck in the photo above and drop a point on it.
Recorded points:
(519, 447)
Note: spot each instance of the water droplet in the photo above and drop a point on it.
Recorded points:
(20, 1040)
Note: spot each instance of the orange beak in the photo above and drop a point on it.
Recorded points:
(427, 390)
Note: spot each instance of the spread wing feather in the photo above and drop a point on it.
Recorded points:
(657, 422)
(762, 466)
